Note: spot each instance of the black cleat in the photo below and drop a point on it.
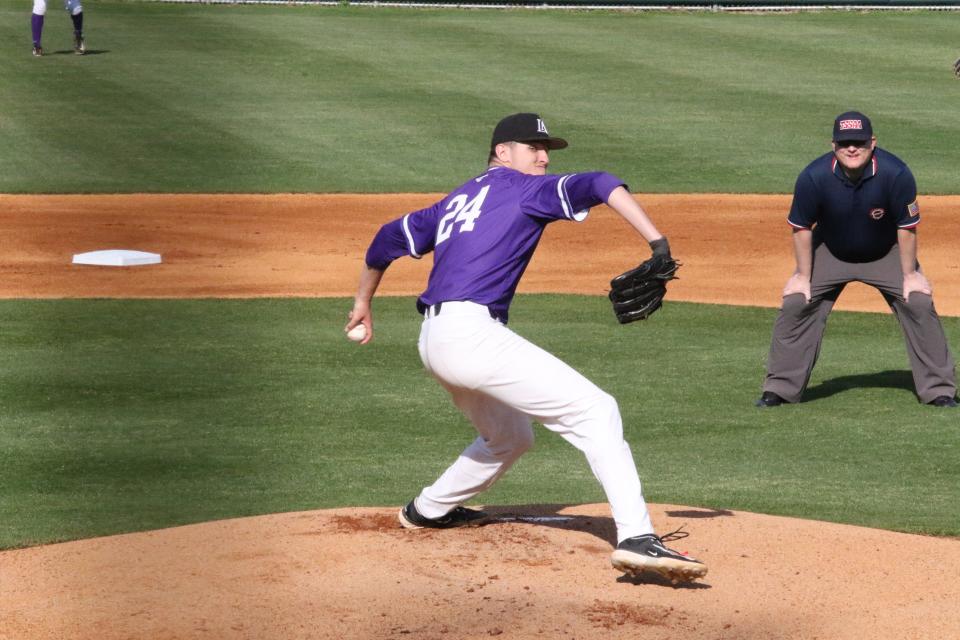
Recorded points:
(410, 518)
(769, 399)
(946, 402)
(636, 555)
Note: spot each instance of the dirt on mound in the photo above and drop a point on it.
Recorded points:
(537, 572)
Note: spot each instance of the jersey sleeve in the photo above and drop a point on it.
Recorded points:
(904, 199)
(411, 235)
(803, 209)
(567, 196)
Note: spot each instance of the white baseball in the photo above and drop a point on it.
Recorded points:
(358, 333)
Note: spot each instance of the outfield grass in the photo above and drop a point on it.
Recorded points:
(194, 98)
(133, 415)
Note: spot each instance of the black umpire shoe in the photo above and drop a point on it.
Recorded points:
(410, 518)
(946, 402)
(769, 399)
(635, 555)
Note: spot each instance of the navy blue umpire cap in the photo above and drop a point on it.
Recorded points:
(852, 125)
(525, 127)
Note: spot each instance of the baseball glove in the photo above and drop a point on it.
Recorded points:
(956, 68)
(637, 293)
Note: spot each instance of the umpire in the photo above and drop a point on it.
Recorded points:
(854, 217)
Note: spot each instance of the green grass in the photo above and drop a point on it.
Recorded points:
(194, 98)
(120, 415)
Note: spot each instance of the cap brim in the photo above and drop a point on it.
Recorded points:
(557, 143)
(862, 136)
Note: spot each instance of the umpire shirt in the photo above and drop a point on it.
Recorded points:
(857, 221)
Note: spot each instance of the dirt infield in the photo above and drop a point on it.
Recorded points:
(736, 249)
(352, 573)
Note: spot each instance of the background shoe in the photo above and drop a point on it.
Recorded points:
(410, 518)
(78, 47)
(38, 51)
(769, 399)
(635, 555)
(944, 401)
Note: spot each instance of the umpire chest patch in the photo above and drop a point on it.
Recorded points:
(876, 213)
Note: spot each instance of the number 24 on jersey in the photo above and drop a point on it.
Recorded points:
(459, 210)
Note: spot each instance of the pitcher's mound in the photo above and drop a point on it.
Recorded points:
(353, 573)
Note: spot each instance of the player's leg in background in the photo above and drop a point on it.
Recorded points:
(36, 25)
(75, 9)
(798, 329)
(930, 359)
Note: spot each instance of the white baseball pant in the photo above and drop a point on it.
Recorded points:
(502, 382)
(72, 6)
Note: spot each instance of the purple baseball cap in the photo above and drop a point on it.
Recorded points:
(525, 127)
(852, 125)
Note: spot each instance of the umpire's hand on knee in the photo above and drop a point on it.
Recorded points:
(915, 281)
(797, 283)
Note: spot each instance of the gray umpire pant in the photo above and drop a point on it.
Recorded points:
(799, 328)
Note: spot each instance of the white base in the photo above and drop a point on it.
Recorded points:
(116, 258)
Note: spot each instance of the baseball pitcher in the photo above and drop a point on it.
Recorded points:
(482, 236)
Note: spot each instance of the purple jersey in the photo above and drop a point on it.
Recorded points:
(484, 233)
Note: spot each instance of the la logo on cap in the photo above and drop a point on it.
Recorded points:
(541, 127)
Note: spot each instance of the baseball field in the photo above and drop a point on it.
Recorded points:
(192, 449)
